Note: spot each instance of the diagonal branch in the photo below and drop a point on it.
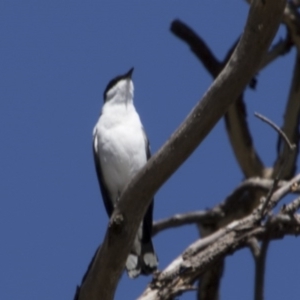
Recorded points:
(237, 130)
(291, 126)
(262, 24)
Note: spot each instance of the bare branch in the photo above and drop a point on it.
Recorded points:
(277, 175)
(210, 281)
(235, 118)
(279, 131)
(254, 247)
(241, 140)
(260, 270)
(262, 24)
(292, 207)
(281, 48)
(281, 192)
(205, 253)
(232, 207)
(185, 271)
(239, 134)
(246, 223)
(291, 18)
(185, 219)
(291, 126)
(198, 47)
(237, 127)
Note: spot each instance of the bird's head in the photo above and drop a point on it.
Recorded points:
(120, 89)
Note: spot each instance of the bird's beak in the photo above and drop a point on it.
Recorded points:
(129, 73)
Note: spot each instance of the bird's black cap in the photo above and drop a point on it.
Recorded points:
(115, 80)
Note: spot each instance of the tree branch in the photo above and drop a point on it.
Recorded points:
(292, 207)
(291, 18)
(230, 208)
(290, 126)
(191, 268)
(281, 48)
(281, 192)
(205, 253)
(260, 270)
(241, 140)
(235, 118)
(198, 47)
(238, 133)
(186, 219)
(262, 24)
(279, 131)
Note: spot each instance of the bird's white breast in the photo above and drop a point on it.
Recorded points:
(121, 146)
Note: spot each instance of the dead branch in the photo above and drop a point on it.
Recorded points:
(292, 207)
(291, 126)
(198, 47)
(279, 49)
(291, 18)
(205, 253)
(260, 270)
(279, 131)
(185, 219)
(235, 118)
(241, 140)
(229, 208)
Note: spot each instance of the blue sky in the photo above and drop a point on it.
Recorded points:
(56, 58)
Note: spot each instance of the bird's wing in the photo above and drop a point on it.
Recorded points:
(147, 228)
(147, 145)
(104, 190)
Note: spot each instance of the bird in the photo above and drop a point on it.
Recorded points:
(121, 148)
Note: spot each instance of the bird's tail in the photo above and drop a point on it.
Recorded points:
(149, 261)
(142, 259)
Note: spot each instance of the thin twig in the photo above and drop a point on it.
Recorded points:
(279, 131)
(277, 177)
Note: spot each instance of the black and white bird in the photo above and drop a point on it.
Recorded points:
(121, 149)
